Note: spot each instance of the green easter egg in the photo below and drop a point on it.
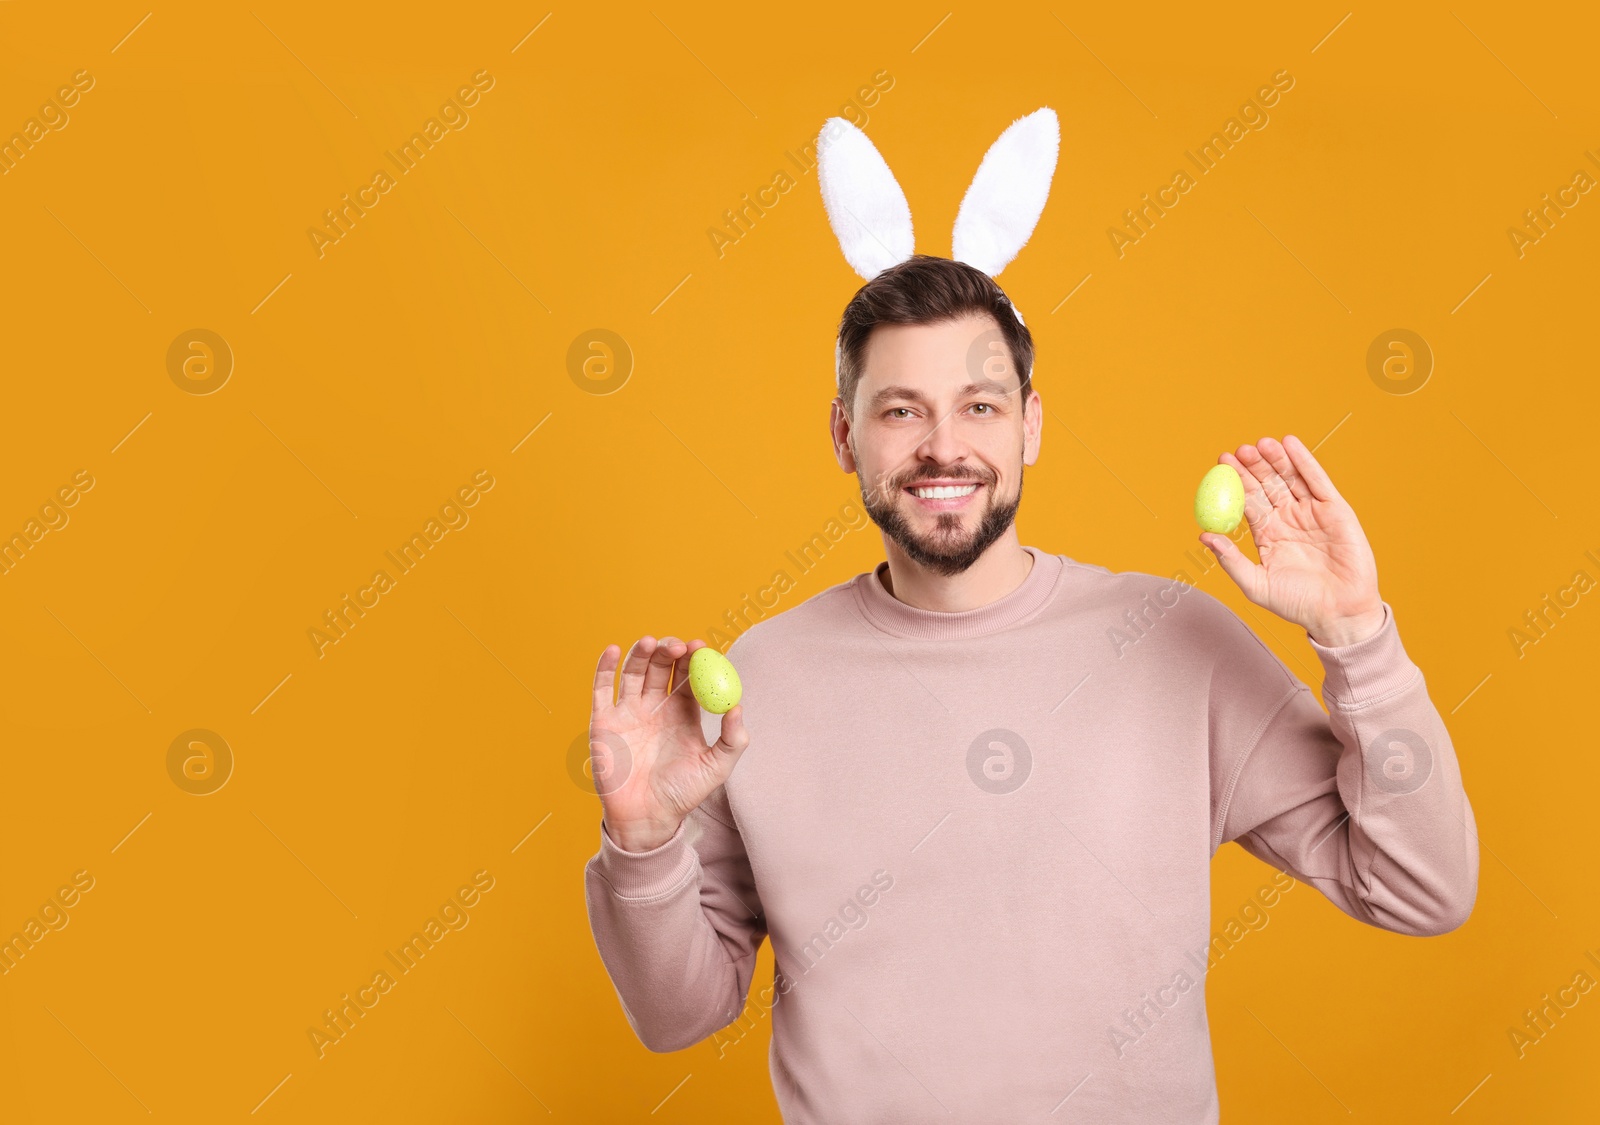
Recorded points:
(1219, 503)
(713, 680)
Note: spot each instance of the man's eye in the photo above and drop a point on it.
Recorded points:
(893, 409)
(985, 405)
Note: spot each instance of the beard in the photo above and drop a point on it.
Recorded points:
(946, 549)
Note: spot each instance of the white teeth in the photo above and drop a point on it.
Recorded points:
(944, 492)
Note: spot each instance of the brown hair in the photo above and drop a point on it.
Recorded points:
(925, 289)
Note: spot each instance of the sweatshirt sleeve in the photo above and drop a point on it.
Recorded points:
(678, 927)
(1363, 802)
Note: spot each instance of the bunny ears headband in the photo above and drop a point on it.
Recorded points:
(872, 220)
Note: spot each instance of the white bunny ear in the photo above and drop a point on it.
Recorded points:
(867, 209)
(1003, 204)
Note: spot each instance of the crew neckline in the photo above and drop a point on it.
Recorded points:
(888, 613)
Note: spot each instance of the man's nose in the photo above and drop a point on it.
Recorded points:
(943, 441)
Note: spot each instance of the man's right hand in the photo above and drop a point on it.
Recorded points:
(647, 749)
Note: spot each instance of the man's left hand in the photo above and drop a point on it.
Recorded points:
(1317, 569)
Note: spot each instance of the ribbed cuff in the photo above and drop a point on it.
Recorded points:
(646, 874)
(1368, 670)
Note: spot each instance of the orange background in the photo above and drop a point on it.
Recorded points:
(428, 344)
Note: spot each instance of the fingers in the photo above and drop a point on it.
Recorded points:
(659, 669)
(605, 677)
(633, 669)
(732, 737)
(1257, 504)
(680, 670)
(1272, 486)
(1278, 457)
(1311, 471)
(649, 665)
(1249, 576)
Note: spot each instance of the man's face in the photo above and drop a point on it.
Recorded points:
(939, 405)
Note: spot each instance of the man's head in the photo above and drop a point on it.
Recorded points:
(936, 388)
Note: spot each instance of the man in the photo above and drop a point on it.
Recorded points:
(981, 785)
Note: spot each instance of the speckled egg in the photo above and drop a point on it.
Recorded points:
(713, 680)
(1219, 503)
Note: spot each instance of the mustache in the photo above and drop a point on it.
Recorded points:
(945, 476)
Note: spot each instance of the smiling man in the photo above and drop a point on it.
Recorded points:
(967, 725)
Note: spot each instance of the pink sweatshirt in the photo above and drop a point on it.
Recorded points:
(980, 844)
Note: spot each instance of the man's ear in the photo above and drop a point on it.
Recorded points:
(840, 433)
(1032, 427)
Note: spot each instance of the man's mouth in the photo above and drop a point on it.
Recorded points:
(944, 497)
